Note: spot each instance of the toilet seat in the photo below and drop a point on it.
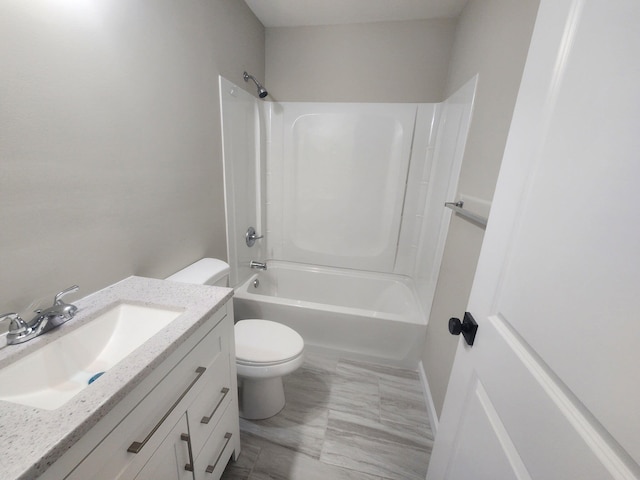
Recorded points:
(263, 364)
(266, 343)
(266, 349)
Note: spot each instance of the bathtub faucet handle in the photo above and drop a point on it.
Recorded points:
(251, 236)
(258, 265)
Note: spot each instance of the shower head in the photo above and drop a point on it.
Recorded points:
(262, 92)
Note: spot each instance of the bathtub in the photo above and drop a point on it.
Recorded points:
(366, 314)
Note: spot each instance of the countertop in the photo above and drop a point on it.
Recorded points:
(32, 439)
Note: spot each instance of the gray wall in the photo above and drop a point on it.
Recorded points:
(110, 149)
(378, 62)
(492, 39)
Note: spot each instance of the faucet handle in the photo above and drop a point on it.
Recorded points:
(17, 324)
(251, 236)
(57, 300)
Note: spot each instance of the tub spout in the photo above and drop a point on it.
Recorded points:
(258, 265)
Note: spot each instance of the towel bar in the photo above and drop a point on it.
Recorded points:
(458, 208)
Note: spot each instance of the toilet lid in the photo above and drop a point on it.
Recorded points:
(264, 341)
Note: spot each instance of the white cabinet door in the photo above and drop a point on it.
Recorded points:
(171, 461)
(551, 388)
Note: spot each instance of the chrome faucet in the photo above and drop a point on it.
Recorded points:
(258, 265)
(45, 320)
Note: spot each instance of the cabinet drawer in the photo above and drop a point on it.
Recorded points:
(216, 452)
(146, 426)
(207, 409)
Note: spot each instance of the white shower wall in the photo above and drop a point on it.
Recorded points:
(363, 186)
(337, 182)
(442, 184)
(358, 186)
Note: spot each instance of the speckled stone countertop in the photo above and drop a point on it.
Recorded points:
(31, 439)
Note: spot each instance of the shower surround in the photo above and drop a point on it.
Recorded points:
(358, 188)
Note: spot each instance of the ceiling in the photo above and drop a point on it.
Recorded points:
(291, 13)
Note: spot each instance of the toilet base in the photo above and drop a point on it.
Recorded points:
(260, 398)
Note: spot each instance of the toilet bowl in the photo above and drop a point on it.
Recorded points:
(265, 350)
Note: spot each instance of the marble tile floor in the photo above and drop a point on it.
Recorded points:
(344, 419)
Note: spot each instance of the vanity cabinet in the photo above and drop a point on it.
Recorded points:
(184, 426)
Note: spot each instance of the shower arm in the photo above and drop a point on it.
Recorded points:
(246, 77)
(262, 92)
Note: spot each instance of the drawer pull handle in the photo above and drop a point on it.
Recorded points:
(224, 392)
(211, 468)
(186, 438)
(135, 447)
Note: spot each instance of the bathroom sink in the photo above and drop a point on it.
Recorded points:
(51, 375)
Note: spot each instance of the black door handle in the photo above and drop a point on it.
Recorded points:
(468, 327)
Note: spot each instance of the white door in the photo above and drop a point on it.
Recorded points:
(551, 387)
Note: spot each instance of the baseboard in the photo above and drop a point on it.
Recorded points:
(431, 408)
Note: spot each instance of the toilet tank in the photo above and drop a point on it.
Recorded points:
(207, 271)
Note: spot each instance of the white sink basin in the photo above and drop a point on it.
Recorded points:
(51, 375)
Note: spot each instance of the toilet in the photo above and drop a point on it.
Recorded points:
(265, 350)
